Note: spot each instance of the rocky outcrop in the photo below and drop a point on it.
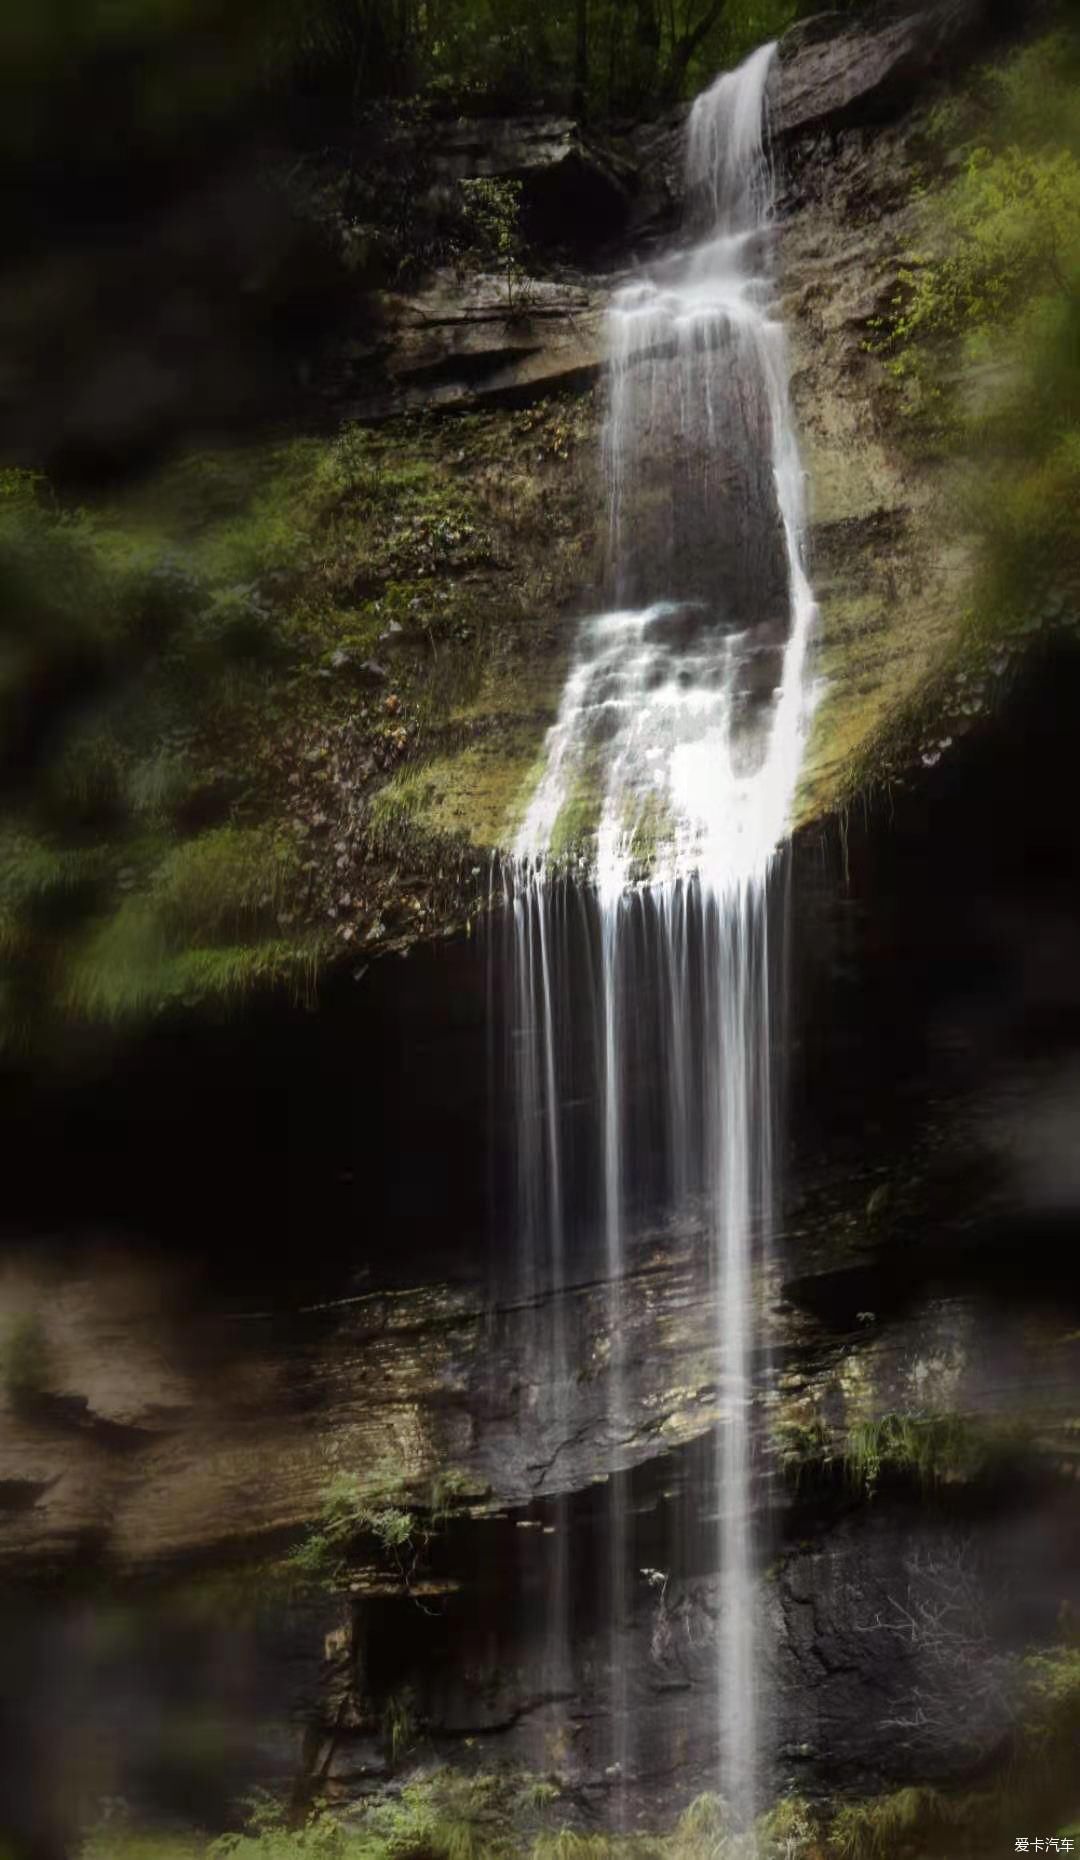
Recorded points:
(461, 342)
(836, 71)
(921, 1279)
(833, 72)
(889, 576)
(576, 187)
(877, 1625)
(918, 1275)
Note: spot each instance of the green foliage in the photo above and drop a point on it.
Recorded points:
(538, 1792)
(325, 62)
(569, 1844)
(399, 1724)
(116, 971)
(111, 1842)
(803, 1446)
(1009, 231)
(39, 878)
(195, 736)
(392, 545)
(932, 1448)
(447, 1814)
(143, 672)
(449, 1489)
(1037, 1779)
(703, 1827)
(224, 883)
(1051, 1707)
(192, 977)
(451, 1815)
(789, 1831)
(881, 1828)
(982, 337)
(354, 1516)
(176, 942)
(454, 1815)
(103, 637)
(506, 52)
(492, 219)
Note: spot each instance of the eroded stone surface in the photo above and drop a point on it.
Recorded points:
(460, 342)
(890, 577)
(836, 70)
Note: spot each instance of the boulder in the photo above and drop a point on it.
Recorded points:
(835, 71)
(468, 340)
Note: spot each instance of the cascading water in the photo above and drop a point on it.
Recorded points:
(684, 713)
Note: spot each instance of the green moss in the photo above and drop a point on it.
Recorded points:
(36, 873)
(450, 1815)
(228, 881)
(803, 1446)
(376, 1512)
(1051, 1707)
(980, 342)
(889, 659)
(456, 1815)
(111, 1842)
(228, 975)
(884, 1827)
(1034, 1784)
(652, 831)
(932, 1448)
(243, 793)
(127, 967)
(115, 974)
(577, 820)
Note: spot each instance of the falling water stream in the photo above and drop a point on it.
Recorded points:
(683, 718)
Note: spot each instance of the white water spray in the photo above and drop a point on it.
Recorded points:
(685, 712)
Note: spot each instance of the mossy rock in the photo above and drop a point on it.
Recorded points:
(320, 671)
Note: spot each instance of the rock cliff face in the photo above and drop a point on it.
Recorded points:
(837, 72)
(847, 108)
(915, 1425)
(889, 575)
(400, 583)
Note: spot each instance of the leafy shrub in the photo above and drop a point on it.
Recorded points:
(932, 1448)
(492, 217)
(881, 1828)
(116, 972)
(348, 1514)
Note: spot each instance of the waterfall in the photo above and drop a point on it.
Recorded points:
(680, 733)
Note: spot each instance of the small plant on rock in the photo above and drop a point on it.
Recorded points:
(492, 215)
(351, 1515)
